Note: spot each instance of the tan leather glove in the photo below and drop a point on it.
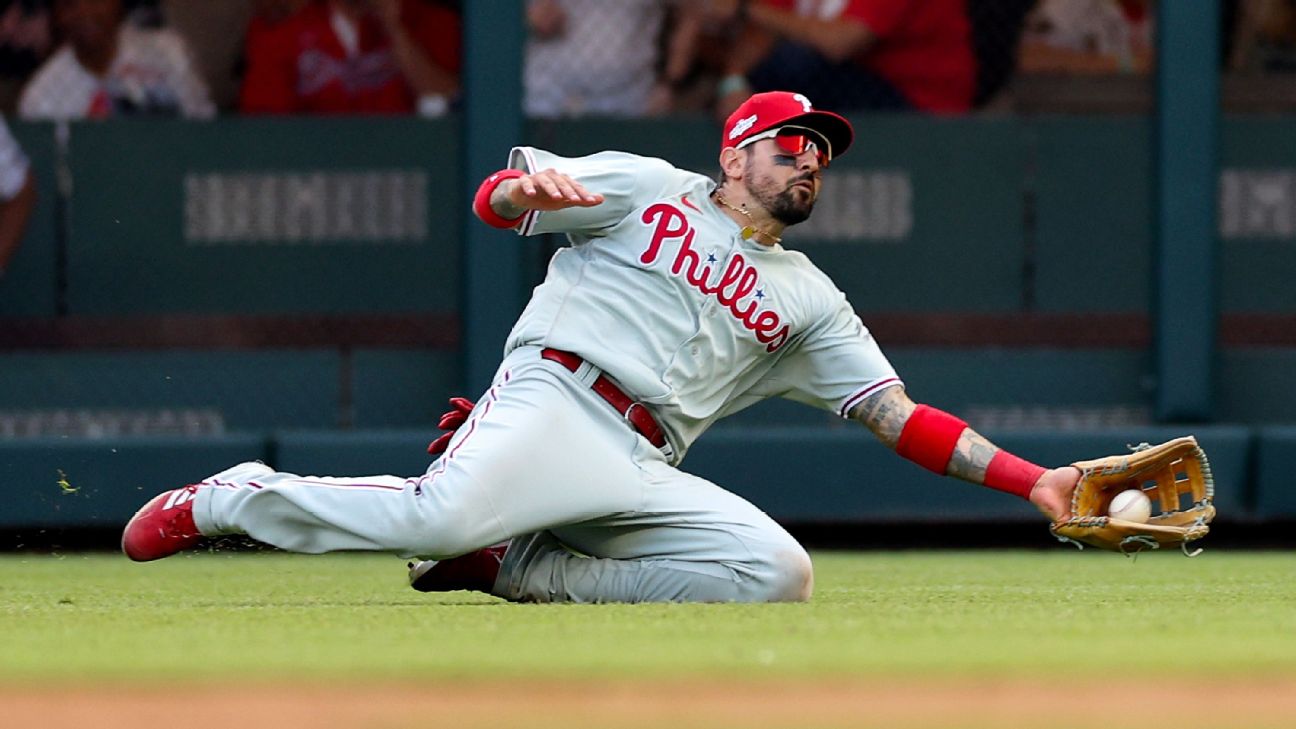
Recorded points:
(1164, 473)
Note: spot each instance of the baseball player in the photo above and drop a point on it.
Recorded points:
(675, 305)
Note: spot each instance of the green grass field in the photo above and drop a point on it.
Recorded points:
(957, 615)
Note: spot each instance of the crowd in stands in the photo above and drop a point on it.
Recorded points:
(68, 59)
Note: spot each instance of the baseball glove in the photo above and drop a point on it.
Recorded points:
(1166, 473)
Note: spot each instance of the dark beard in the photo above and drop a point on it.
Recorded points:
(785, 208)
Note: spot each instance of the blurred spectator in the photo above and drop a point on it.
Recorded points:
(145, 13)
(603, 57)
(697, 57)
(213, 32)
(24, 44)
(269, 13)
(17, 195)
(107, 67)
(1264, 40)
(996, 39)
(353, 56)
(852, 54)
(1088, 37)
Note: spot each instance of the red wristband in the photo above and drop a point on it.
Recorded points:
(1014, 475)
(928, 438)
(481, 201)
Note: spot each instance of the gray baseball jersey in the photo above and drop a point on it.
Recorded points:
(660, 292)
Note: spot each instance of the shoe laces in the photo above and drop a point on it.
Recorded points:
(175, 526)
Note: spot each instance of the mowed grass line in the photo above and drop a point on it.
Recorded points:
(957, 615)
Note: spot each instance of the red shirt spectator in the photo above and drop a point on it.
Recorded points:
(305, 65)
(923, 47)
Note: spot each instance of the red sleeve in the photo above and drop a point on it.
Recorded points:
(436, 28)
(881, 16)
(270, 74)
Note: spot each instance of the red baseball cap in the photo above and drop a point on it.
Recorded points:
(773, 109)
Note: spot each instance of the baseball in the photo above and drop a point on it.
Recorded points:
(1132, 505)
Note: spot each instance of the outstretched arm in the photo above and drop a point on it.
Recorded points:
(507, 195)
(544, 190)
(889, 413)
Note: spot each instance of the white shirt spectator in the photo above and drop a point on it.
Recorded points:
(1101, 28)
(152, 74)
(603, 61)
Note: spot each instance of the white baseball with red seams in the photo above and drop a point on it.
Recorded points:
(1131, 505)
(659, 291)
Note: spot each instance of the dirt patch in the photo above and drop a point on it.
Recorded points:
(1125, 702)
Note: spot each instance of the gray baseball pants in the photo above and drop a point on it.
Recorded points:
(595, 512)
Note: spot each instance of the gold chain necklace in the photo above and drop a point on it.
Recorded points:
(750, 229)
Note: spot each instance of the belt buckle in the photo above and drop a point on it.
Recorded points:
(626, 415)
(665, 447)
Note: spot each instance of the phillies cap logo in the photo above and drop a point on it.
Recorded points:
(744, 124)
(762, 114)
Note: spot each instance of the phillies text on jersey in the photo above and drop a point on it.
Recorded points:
(660, 290)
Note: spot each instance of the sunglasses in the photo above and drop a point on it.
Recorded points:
(795, 141)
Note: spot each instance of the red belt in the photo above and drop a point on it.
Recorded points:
(635, 413)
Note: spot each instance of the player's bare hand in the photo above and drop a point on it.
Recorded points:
(1052, 492)
(550, 190)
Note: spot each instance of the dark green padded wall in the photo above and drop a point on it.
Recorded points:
(110, 478)
(1255, 385)
(29, 287)
(250, 389)
(1275, 464)
(397, 388)
(1091, 190)
(1256, 271)
(958, 379)
(142, 237)
(399, 452)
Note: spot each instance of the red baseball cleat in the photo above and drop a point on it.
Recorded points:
(473, 571)
(162, 527)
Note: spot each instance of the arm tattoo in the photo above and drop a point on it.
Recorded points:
(885, 413)
(500, 203)
(971, 457)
